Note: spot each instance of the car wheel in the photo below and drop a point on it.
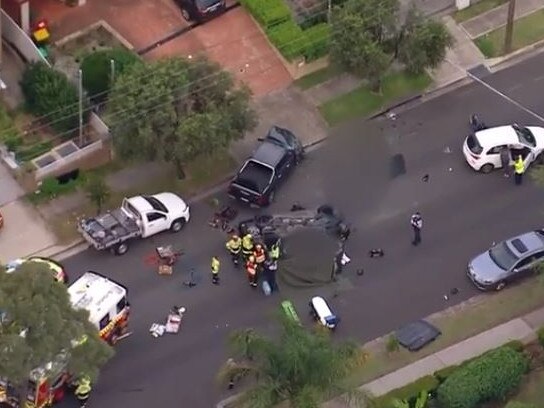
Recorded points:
(186, 15)
(121, 249)
(487, 168)
(177, 225)
(500, 286)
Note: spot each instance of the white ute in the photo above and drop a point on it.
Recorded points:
(138, 217)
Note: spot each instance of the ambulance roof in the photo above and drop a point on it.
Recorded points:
(96, 294)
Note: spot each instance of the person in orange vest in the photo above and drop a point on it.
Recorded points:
(251, 269)
(260, 256)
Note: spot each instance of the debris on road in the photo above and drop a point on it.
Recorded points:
(425, 178)
(447, 150)
(173, 322)
(376, 253)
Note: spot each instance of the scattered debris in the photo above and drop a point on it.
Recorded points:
(425, 178)
(446, 297)
(447, 150)
(222, 218)
(297, 207)
(360, 272)
(454, 291)
(450, 169)
(173, 322)
(392, 116)
(376, 253)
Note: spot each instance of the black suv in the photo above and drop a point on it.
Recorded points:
(256, 182)
(200, 10)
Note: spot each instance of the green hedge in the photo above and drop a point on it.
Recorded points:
(292, 42)
(409, 392)
(268, 12)
(540, 334)
(489, 377)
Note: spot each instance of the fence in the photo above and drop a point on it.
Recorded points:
(17, 38)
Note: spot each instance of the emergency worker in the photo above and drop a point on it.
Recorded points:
(247, 245)
(260, 255)
(274, 252)
(251, 269)
(519, 169)
(234, 246)
(215, 270)
(83, 390)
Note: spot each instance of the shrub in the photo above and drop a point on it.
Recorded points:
(51, 188)
(317, 41)
(96, 68)
(28, 153)
(515, 345)
(540, 334)
(9, 135)
(489, 377)
(48, 93)
(443, 374)
(392, 344)
(268, 13)
(288, 38)
(409, 392)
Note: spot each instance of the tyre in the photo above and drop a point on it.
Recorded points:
(500, 286)
(177, 225)
(121, 249)
(186, 15)
(487, 168)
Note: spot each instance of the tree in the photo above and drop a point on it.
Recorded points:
(368, 36)
(98, 192)
(38, 324)
(301, 367)
(176, 110)
(97, 70)
(49, 93)
(423, 43)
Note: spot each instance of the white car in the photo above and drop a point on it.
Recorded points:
(482, 149)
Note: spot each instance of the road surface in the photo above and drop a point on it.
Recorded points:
(463, 212)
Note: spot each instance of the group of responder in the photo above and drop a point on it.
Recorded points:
(258, 259)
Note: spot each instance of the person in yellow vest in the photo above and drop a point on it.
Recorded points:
(274, 252)
(519, 169)
(215, 270)
(234, 246)
(83, 390)
(247, 245)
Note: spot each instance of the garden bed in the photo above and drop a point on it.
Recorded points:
(68, 53)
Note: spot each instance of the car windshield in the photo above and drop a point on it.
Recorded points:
(156, 204)
(474, 145)
(503, 256)
(525, 136)
(204, 4)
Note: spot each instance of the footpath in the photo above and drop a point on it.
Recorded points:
(522, 329)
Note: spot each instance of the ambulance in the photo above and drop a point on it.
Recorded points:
(107, 304)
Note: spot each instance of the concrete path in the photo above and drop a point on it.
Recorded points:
(497, 17)
(10, 190)
(463, 56)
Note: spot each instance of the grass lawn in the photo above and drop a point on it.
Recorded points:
(527, 30)
(317, 77)
(532, 389)
(457, 324)
(477, 9)
(201, 175)
(363, 102)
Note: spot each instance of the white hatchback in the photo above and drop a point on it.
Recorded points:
(482, 149)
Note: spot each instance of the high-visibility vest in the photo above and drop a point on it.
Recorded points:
(234, 245)
(250, 267)
(83, 389)
(519, 166)
(275, 252)
(215, 266)
(260, 256)
(247, 243)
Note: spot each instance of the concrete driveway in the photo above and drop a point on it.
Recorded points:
(464, 213)
(10, 190)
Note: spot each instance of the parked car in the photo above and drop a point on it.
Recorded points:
(138, 217)
(508, 261)
(273, 160)
(482, 148)
(201, 10)
(58, 271)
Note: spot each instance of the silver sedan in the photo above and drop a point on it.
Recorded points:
(508, 261)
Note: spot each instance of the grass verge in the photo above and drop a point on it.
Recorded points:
(201, 175)
(318, 77)
(527, 30)
(456, 323)
(532, 389)
(363, 102)
(476, 9)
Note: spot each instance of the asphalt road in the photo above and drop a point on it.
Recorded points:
(463, 213)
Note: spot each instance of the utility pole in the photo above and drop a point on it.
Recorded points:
(112, 71)
(80, 89)
(329, 11)
(509, 27)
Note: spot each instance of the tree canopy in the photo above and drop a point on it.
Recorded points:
(38, 324)
(369, 36)
(299, 366)
(177, 109)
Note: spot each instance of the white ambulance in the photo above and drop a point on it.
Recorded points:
(105, 300)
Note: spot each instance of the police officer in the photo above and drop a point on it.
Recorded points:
(215, 270)
(247, 245)
(83, 390)
(234, 246)
(274, 253)
(519, 169)
(417, 224)
(505, 160)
